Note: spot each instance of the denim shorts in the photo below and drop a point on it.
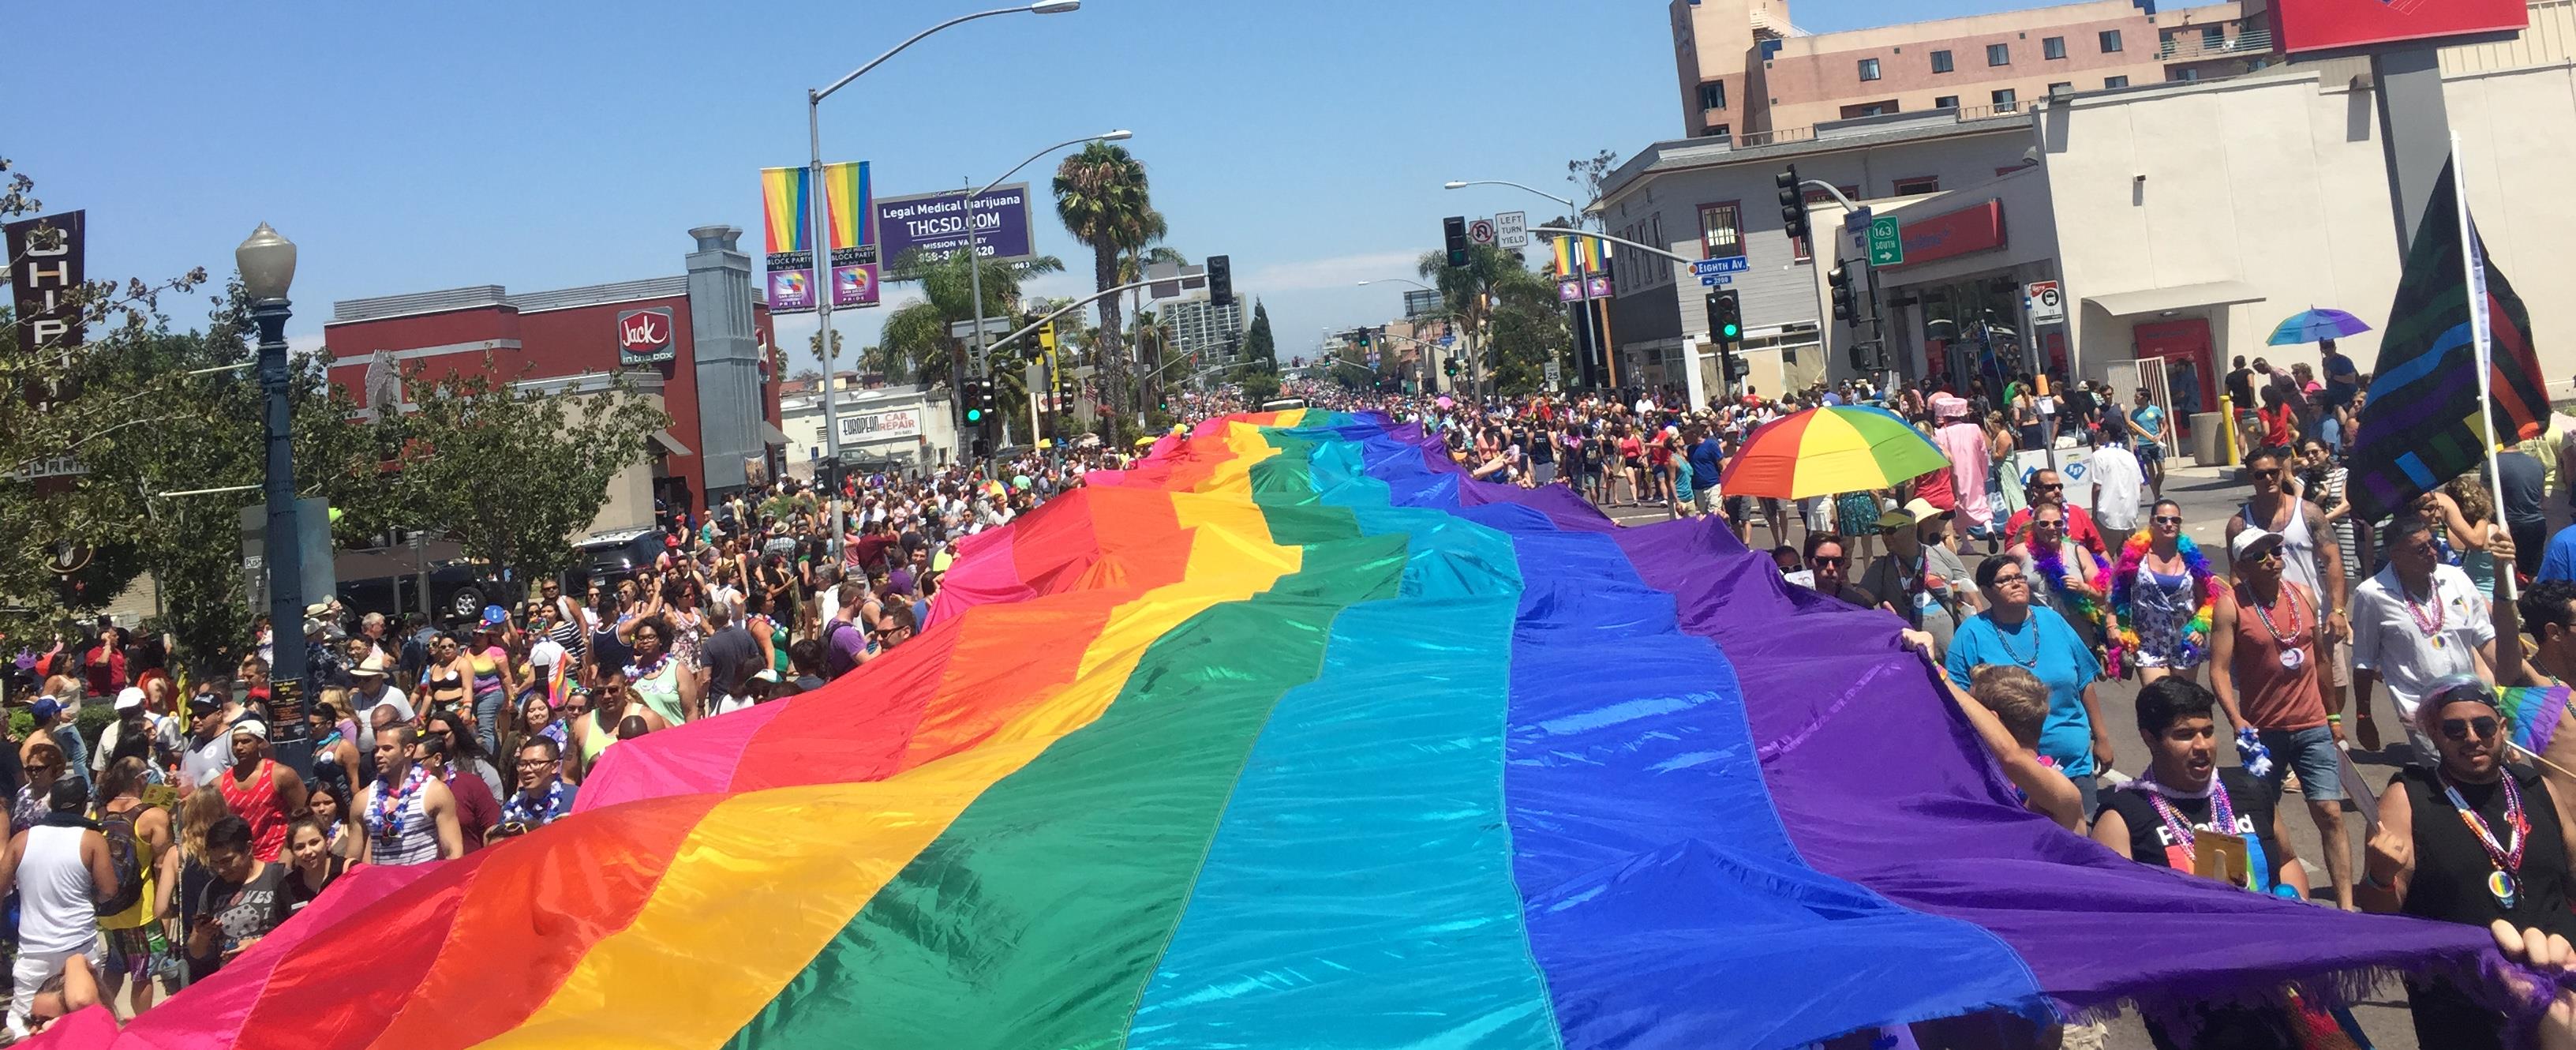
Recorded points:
(2312, 753)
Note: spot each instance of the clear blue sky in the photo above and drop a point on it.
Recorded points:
(543, 145)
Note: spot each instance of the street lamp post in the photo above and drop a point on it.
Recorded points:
(975, 247)
(267, 264)
(816, 203)
(1582, 266)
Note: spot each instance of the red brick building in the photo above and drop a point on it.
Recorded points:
(698, 341)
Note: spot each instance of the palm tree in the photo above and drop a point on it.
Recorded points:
(1101, 195)
(915, 344)
(1468, 293)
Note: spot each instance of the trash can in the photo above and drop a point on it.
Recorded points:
(2209, 439)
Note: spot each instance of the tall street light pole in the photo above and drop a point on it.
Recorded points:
(267, 264)
(816, 203)
(1582, 267)
(975, 246)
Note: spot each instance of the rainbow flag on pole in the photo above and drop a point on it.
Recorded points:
(1293, 735)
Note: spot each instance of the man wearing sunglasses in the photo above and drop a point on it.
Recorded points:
(2471, 840)
(1830, 561)
(2415, 623)
(2264, 650)
(2048, 487)
(2317, 566)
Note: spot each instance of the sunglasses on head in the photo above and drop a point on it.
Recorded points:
(2479, 728)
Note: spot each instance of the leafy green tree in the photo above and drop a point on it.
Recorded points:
(1528, 329)
(915, 343)
(1469, 294)
(515, 473)
(1102, 197)
(1258, 344)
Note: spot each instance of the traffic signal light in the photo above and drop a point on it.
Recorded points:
(1046, 336)
(987, 398)
(1725, 319)
(1736, 368)
(1793, 204)
(1453, 230)
(1449, 368)
(1220, 277)
(972, 396)
(1363, 336)
(1839, 279)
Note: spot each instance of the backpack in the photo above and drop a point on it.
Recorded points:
(125, 856)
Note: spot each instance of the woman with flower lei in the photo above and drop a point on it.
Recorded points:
(2163, 594)
(2065, 576)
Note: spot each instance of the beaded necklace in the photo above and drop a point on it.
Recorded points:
(384, 814)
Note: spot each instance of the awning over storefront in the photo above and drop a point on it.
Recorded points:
(771, 435)
(2178, 297)
(669, 444)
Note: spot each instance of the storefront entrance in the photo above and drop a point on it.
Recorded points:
(2191, 372)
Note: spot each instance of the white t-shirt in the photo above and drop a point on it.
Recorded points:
(2119, 485)
(2389, 637)
(545, 652)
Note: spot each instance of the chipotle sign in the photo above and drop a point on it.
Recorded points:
(1975, 228)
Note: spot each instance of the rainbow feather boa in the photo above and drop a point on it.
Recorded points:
(2053, 567)
(2195, 634)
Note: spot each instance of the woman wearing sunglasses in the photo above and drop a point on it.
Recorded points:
(2472, 840)
(2015, 631)
(2164, 597)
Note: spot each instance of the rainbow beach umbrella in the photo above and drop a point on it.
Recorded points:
(1823, 451)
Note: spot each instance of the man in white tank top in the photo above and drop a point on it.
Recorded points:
(2309, 558)
(61, 871)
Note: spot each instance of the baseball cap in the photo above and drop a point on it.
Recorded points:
(129, 699)
(2251, 542)
(47, 709)
(251, 727)
(204, 704)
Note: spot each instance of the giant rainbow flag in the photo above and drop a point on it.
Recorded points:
(1294, 736)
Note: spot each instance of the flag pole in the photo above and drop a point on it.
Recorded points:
(2481, 330)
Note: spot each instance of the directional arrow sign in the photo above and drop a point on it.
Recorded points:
(1886, 247)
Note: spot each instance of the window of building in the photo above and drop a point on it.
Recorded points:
(1946, 102)
(1712, 95)
(1721, 230)
(2213, 38)
(2110, 41)
(1918, 186)
(1999, 54)
(2183, 75)
(1941, 62)
(2052, 47)
(2004, 99)
(1869, 69)
(1869, 109)
(2115, 82)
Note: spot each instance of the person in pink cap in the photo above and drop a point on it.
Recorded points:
(1960, 439)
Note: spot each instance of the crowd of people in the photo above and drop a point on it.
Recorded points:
(2033, 604)
(148, 852)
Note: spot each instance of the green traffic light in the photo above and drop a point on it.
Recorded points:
(1732, 331)
(974, 415)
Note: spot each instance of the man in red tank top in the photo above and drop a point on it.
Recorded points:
(260, 791)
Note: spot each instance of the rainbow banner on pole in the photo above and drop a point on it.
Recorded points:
(1293, 735)
(785, 194)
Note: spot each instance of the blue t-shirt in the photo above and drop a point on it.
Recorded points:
(2150, 421)
(2560, 562)
(2050, 649)
(1706, 459)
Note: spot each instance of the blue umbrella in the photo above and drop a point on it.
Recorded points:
(2312, 325)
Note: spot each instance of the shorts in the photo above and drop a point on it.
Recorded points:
(2145, 657)
(1737, 507)
(1706, 500)
(139, 952)
(2150, 452)
(2312, 753)
(1634, 463)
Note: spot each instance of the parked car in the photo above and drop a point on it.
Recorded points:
(607, 557)
(388, 581)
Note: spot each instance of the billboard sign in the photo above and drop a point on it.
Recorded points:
(936, 223)
(789, 226)
(1421, 303)
(48, 260)
(881, 426)
(645, 336)
(1976, 228)
(2317, 25)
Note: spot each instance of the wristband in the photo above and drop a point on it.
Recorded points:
(2372, 881)
(2334, 719)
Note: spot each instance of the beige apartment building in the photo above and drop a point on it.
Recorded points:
(1748, 73)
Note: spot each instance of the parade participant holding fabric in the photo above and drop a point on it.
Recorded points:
(2163, 593)
(2473, 840)
(2266, 672)
(2169, 815)
(1921, 579)
(2013, 631)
